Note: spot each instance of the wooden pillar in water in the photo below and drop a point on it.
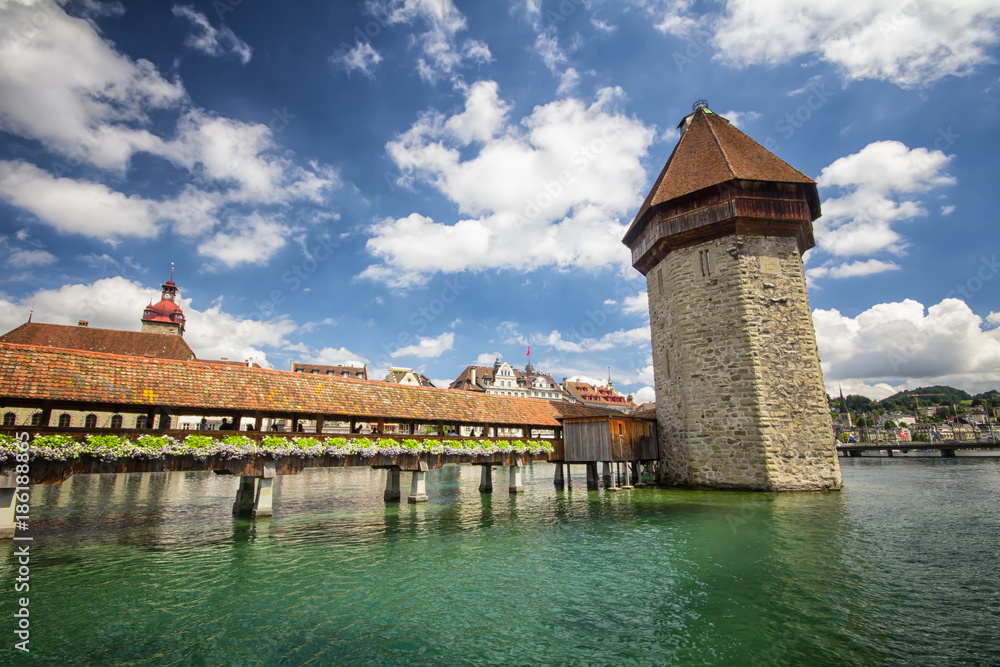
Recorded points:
(516, 485)
(559, 480)
(486, 479)
(611, 481)
(592, 476)
(606, 473)
(418, 485)
(392, 493)
(627, 477)
(7, 504)
(254, 494)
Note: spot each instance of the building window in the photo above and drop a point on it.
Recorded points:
(314, 372)
(36, 419)
(164, 422)
(116, 421)
(9, 419)
(705, 258)
(90, 421)
(64, 420)
(140, 421)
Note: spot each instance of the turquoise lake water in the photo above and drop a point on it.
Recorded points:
(902, 567)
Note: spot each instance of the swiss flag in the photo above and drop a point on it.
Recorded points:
(903, 435)
(529, 352)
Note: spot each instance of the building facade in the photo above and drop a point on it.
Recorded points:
(503, 379)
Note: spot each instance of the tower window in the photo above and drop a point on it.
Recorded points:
(116, 421)
(9, 419)
(64, 420)
(90, 421)
(659, 280)
(36, 419)
(705, 259)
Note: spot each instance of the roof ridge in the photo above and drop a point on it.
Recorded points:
(718, 142)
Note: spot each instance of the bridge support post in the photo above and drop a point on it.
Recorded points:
(638, 475)
(948, 453)
(418, 488)
(592, 476)
(486, 479)
(559, 480)
(392, 493)
(7, 503)
(611, 482)
(254, 494)
(888, 452)
(516, 486)
(627, 477)
(606, 473)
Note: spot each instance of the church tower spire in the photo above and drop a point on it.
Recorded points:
(165, 316)
(740, 399)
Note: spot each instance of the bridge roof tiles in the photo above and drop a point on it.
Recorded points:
(64, 377)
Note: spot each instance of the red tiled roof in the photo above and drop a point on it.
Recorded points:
(712, 151)
(73, 376)
(111, 341)
(595, 395)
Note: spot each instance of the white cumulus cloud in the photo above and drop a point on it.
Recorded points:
(902, 342)
(569, 172)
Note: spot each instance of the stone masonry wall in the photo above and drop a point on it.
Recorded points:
(740, 399)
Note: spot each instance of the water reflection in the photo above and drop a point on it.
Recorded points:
(648, 575)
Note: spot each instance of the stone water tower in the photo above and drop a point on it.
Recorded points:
(740, 399)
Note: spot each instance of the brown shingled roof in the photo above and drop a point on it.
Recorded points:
(712, 151)
(29, 373)
(111, 341)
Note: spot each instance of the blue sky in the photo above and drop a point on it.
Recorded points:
(430, 184)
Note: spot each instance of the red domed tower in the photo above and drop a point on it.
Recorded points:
(165, 317)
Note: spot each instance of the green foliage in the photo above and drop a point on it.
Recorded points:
(199, 442)
(936, 395)
(53, 442)
(364, 443)
(384, 443)
(890, 425)
(153, 441)
(273, 442)
(409, 443)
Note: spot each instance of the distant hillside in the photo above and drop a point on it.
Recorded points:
(988, 395)
(927, 396)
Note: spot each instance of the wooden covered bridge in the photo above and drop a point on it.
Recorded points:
(50, 382)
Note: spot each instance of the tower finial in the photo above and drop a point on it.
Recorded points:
(171, 270)
(700, 103)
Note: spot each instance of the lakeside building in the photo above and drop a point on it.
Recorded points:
(505, 380)
(598, 395)
(345, 370)
(407, 376)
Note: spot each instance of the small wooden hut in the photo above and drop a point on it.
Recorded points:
(609, 438)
